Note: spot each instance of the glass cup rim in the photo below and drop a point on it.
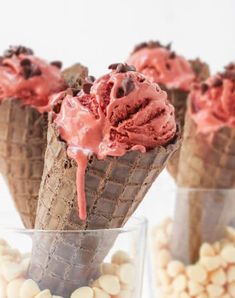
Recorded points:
(139, 222)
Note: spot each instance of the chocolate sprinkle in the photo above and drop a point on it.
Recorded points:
(57, 64)
(30, 70)
(122, 67)
(217, 83)
(172, 55)
(151, 45)
(90, 79)
(25, 62)
(87, 87)
(127, 87)
(120, 92)
(204, 88)
(17, 50)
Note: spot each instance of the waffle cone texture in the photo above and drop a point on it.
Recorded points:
(22, 148)
(114, 189)
(201, 216)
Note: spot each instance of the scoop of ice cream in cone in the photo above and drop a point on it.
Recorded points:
(174, 73)
(163, 66)
(29, 78)
(206, 161)
(106, 146)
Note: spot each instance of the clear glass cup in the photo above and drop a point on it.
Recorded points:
(109, 263)
(193, 244)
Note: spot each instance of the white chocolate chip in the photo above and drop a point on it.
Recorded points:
(197, 273)
(44, 294)
(163, 277)
(110, 284)
(54, 296)
(207, 250)
(175, 268)
(84, 292)
(195, 288)
(98, 293)
(180, 282)
(11, 270)
(231, 274)
(231, 289)
(13, 288)
(214, 291)
(126, 274)
(228, 254)
(161, 238)
(163, 258)
(217, 247)
(210, 263)
(29, 289)
(120, 257)
(218, 277)
(3, 287)
(107, 268)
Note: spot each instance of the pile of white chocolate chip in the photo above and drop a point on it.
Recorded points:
(117, 279)
(213, 276)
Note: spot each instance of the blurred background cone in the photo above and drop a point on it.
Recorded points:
(200, 215)
(179, 100)
(23, 142)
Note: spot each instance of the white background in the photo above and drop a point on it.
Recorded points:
(100, 32)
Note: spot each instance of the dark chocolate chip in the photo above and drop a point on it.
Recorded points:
(90, 79)
(57, 64)
(87, 87)
(172, 55)
(168, 46)
(17, 50)
(25, 62)
(128, 86)
(113, 66)
(26, 73)
(217, 83)
(122, 67)
(204, 87)
(120, 92)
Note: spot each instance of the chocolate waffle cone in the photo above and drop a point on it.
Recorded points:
(23, 143)
(114, 189)
(22, 148)
(179, 100)
(202, 215)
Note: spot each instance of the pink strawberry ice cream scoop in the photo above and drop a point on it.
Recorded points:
(119, 112)
(31, 79)
(213, 102)
(163, 66)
